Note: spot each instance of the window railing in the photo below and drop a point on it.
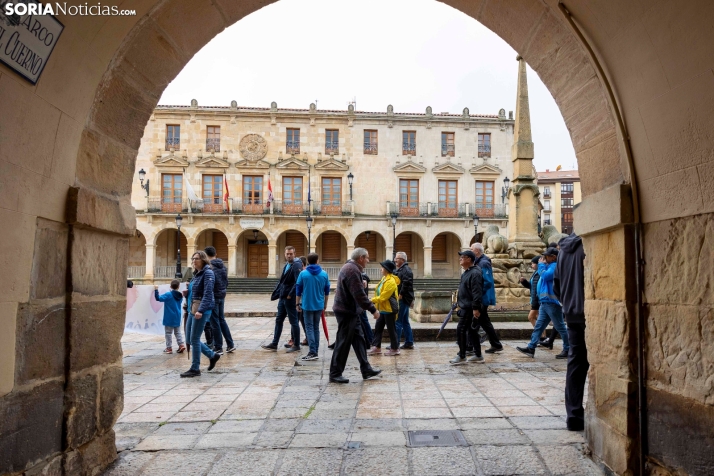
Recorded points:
(292, 147)
(332, 148)
(484, 150)
(332, 208)
(447, 149)
(408, 148)
(546, 194)
(290, 207)
(485, 210)
(250, 207)
(408, 209)
(166, 272)
(546, 222)
(173, 143)
(166, 205)
(370, 148)
(135, 272)
(213, 144)
(436, 209)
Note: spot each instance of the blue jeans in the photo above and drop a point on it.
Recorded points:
(220, 327)
(403, 323)
(287, 308)
(549, 312)
(194, 329)
(312, 329)
(366, 328)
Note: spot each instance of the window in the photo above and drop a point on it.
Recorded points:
(409, 143)
(567, 222)
(447, 144)
(546, 192)
(171, 192)
(484, 198)
(292, 143)
(546, 219)
(566, 188)
(409, 197)
(213, 138)
(447, 198)
(438, 249)
(173, 137)
(566, 202)
(331, 246)
(332, 142)
(370, 142)
(331, 191)
(252, 190)
(212, 193)
(292, 195)
(546, 205)
(484, 145)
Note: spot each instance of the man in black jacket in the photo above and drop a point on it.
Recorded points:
(569, 288)
(469, 303)
(285, 294)
(219, 327)
(405, 289)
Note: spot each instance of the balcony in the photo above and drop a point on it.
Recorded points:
(170, 205)
(250, 207)
(332, 148)
(434, 209)
(370, 148)
(447, 149)
(173, 143)
(405, 209)
(213, 144)
(409, 148)
(484, 150)
(290, 207)
(292, 147)
(546, 194)
(333, 208)
(546, 222)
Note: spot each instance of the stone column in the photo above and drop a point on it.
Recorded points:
(388, 250)
(272, 253)
(190, 250)
(150, 260)
(350, 249)
(232, 265)
(427, 262)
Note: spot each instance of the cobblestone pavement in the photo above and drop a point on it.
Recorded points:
(259, 412)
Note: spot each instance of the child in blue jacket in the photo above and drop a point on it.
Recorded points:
(172, 315)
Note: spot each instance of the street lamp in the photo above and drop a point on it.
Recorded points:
(142, 175)
(308, 221)
(255, 235)
(350, 178)
(394, 216)
(504, 189)
(178, 274)
(475, 227)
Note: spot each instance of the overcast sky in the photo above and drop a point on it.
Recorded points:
(408, 53)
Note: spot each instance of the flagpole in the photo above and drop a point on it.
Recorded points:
(309, 210)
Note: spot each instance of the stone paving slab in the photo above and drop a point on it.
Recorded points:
(259, 412)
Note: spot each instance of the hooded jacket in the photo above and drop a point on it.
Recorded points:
(569, 279)
(221, 278)
(546, 295)
(172, 307)
(489, 288)
(386, 295)
(312, 286)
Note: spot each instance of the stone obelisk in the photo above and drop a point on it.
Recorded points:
(523, 196)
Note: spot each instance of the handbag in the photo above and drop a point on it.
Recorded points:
(195, 304)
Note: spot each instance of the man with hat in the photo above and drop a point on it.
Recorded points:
(469, 304)
(550, 308)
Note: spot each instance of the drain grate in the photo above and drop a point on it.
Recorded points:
(437, 438)
(354, 445)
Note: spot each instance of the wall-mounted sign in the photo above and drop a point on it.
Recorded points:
(27, 39)
(252, 223)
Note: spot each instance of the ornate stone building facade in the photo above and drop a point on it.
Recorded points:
(560, 192)
(354, 173)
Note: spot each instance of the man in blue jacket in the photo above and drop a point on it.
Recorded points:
(550, 309)
(284, 292)
(218, 320)
(313, 289)
(489, 299)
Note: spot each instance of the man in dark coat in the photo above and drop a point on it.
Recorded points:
(405, 289)
(285, 294)
(219, 327)
(469, 303)
(569, 288)
(350, 299)
(488, 299)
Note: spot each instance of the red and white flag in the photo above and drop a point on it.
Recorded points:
(226, 195)
(270, 192)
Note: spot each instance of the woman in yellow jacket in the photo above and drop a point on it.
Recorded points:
(386, 300)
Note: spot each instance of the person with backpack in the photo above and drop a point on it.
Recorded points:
(218, 324)
(172, 316)
(488, 299)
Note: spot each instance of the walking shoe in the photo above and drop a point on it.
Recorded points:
(546, 344)
(181, 349)
(391, 352)
(309, 356)
(288, 344)
(470, 352)
(374, 351)
(407, 346)
(292, 349)
(216, 358)
(218, 351)
(230, 350)
(477, 359)
(339, 379)
(331, 346)
(493, 350)
(457, 360)
(526, 350)
(371, 373)
(168, 350)
(272, 347)
(304, 342)
(191, 373)
(562, 355)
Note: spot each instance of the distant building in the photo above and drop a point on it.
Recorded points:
(559, 193)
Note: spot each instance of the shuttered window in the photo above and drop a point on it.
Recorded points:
(331, 242)
(370, 244)
(297, 241)
(438, 249)
(404, 243)
(220, 243)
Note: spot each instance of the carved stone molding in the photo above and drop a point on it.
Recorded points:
(253, 147)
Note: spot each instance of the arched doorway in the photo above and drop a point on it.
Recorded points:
(444, 255)
(215, 238)
(375, 245)
(412, 244)
(331, 246)
(165, 254)
(253, 254)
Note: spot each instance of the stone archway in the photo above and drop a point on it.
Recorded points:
(79, 145)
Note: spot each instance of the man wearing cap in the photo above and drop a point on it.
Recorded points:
(469, 303)
(550, 309)
(488, 298)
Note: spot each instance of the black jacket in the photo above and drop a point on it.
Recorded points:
(569, 280)
(533, 286)
(221, 278)
(286, 285)
(470, 289)
(406, 284)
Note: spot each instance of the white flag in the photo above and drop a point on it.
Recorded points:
(190, 192)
